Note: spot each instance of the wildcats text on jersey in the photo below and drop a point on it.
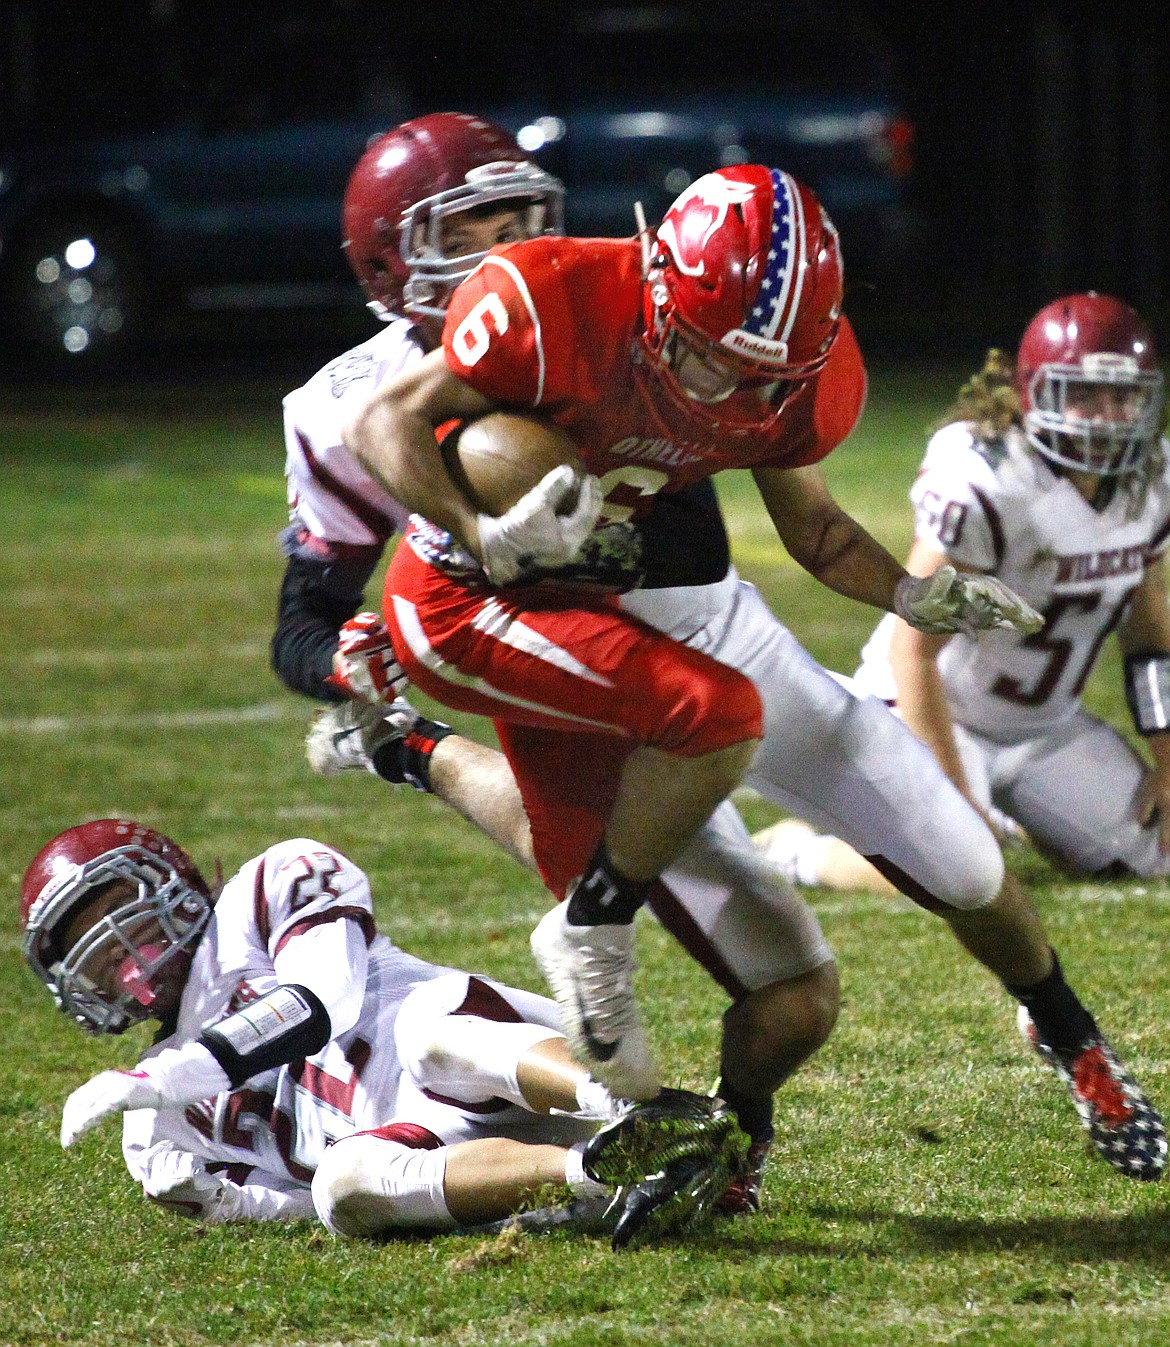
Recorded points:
(1101, 565)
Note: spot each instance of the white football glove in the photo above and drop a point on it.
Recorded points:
(107, 1092)
(364, 665)
(532, 535)
(177, 1175)
(176, 1178)
(951, 601)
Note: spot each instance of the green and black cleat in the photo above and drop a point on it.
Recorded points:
(674, 1125)
(681, 1198)
(580, 1215)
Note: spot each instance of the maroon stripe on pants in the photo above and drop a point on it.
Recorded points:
(679, 922)
(487, 1003)
(410, 1134)
(910, 887)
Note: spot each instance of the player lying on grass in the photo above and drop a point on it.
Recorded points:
(305, 1063)
(1054, 476)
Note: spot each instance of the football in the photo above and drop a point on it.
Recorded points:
(497, 458)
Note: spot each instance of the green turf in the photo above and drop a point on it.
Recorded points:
(929, 1185)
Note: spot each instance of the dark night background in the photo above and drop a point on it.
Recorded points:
(1042, 130)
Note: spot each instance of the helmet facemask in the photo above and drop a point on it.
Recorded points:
(111, 977)
(402, 191)
(434, 275)
(1101, 416)
(698, 375)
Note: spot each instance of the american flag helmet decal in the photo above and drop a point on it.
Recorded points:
(768, 324)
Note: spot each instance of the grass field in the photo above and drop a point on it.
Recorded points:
(929, 1183)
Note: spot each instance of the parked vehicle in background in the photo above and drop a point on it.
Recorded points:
(233, 206)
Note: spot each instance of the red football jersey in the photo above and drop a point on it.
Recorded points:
(555, 323)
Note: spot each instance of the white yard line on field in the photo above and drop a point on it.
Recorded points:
(168, 547)
(182, 591)
(226, 715)
(43, 659)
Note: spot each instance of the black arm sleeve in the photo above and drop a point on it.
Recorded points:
(316, 599)
(684, 541)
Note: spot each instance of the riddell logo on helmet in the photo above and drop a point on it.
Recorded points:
(485, 172)
(1108, 366)
(759, 348)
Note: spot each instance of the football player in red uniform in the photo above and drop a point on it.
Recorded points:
(423, 204)
(723, 345)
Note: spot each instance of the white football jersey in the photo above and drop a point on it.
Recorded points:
(329, 494)
(281, 1121)
(1000, 508)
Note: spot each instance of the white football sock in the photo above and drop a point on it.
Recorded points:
(580, 1184)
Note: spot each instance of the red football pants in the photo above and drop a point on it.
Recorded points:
(574, 691)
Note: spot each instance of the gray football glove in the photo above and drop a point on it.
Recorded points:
(952, 601)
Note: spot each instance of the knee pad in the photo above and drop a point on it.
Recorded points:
(961, 891)
(370, 1184)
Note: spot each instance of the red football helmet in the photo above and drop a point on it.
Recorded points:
(743, 289)
(412, 179)
(132, 943)
(1089, 384)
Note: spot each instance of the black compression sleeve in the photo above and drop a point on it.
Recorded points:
(684, 541)
(316, 599)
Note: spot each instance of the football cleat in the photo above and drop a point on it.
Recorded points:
(345, 736)
(590, 970)
(648, 1137)
(1124, 1126)
(681, 1198)
(741, 1197)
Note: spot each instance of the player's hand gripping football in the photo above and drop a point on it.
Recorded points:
(106, 1093)
(533, 534)
(952, 601)
(364, 667)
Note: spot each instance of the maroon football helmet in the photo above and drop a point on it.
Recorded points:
(743, 289)
(143, 940)
(412, 179)
(1089, 384)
